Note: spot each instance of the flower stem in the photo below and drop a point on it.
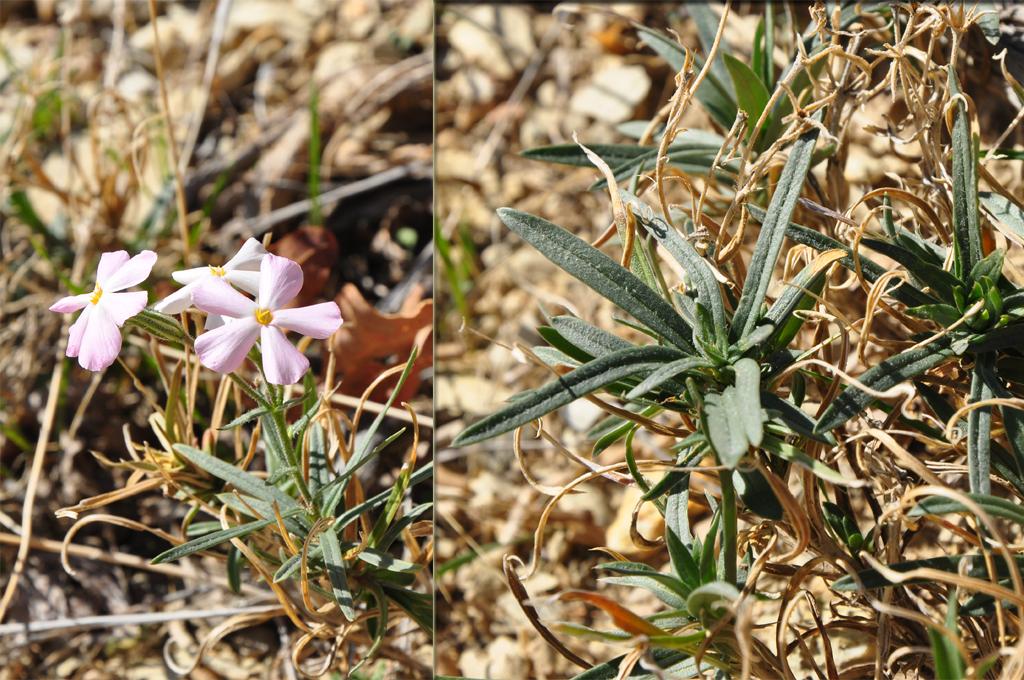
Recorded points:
(729, 529)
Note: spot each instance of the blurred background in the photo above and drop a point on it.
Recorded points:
(307, 120)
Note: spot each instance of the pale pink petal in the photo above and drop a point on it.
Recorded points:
(216, 321)
(186, 276)
(282, 363)
(280, 281)
(76, 332)
(132, 273)
(224, 349)
(246, 280)
(110, 263)
(316, 321)
(122, 306)
(218, 297)
(71, 303)
(248, 256)
(101, 341)
(177, 302)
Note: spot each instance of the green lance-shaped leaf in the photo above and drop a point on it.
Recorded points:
(948, 662)
(940, 281)
(567, 388)
(698, 269)
(993, 505)
(586, 341)
(976, 568)
(966, 225)
(673, 664)
(872, 271)
(748, 392)
(1004, 210)
(334, 562)
(788, 452)
(715, 93)
(666, 374)
(798, 295)
(979, 428)
(158, 325)
(211, 540)
(891, 372)
(727, 439)
(734, 418)
(752, 95)
(602, 274)
(243, 481)
(773, 232)
(666, 588)
(794, 418)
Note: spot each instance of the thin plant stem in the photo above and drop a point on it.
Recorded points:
(729, 529)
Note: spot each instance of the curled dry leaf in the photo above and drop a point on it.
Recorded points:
(370, 341)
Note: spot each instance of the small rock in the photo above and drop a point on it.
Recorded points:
(612, 94)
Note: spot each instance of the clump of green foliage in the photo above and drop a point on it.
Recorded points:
(743, 370)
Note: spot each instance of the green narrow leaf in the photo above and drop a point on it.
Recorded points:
(158, 325)
(577, 383)
(872, 271)
(698, 269)
(715, 93)
(748, 397)
(234, 570)
(976, 568)
(940, 281)
(790, 453)
(673, 664)
(727, 439)
(797, 296)
(637, 575)
(1004, 210)
(993, 505)
(948, 663)
(894, 370)
(966, 226)
(605, 276)
(773, 232)
(334, 562)
(211, 540)
(757, 493)
(668, 372)
(794, 418)
(706, 21)
(979, 428)
(591, 340)
(419, 606)
(243, 481)
(751, 94)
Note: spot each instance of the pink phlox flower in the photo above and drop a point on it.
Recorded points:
(225, 348)
(242, 271)
(95, 337)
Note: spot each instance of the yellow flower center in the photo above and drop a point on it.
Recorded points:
(96, 295)
(217, 271)
(263, 316)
